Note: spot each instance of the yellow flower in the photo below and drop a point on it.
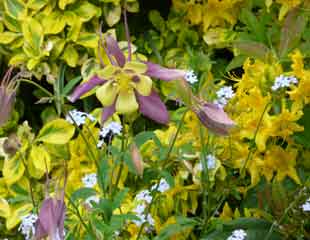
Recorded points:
(282, 162)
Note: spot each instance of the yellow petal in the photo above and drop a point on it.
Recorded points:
(107, 72)
(137, 67)
(126, 102)
(144, 85)
(107, 93)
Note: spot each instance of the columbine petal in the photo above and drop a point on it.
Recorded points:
(107, 93)
(107, 112)
(137, 67)
(51, 219)
(214, 118)
(143, 85)
(126, 102)
(167, 74)
(152, 107)
(85, 87)
(114, 50)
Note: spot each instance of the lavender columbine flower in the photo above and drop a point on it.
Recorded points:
(125, 85)
(51, 219)
(8, 88)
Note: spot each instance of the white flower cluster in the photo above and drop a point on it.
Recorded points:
(306, 206)
(139, 211)
(191, 77)
(163, 186)
(238, 234)
(78, 117)
(144, 195)
(211, 162)
(114, 127)
(223, 96)
(27, 226)
(283, 81)
(90, 180)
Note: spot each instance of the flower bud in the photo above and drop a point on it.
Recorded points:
(214, 118)
(137, 159)
(11, 144)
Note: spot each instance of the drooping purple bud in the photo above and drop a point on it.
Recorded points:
(8, 88)
(51, 219)
(166, 74)
(214, 118)
(85, 87)
(152, 107)
(114, 50)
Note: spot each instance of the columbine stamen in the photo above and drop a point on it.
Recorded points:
(191, 77)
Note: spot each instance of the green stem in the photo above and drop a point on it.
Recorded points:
(205, 180)
(38, 86)
(166, 159)
(254, 140)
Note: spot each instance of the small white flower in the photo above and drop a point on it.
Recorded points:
(27, 227)
(139, 209)
(144, 195)
(283, 81)
(78, 117)
(211, 161)
(49, 46)
(113, 127)
(191, 77)
(306, 206)
(90, 180)
(224, 94)
(163, 186)
(92, 199)
(238, 234)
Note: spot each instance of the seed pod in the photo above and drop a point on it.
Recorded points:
(137, 159)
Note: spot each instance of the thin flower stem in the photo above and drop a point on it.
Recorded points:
(38, 86)
(166, 159)
(242, 172)
(127, 31)
(78, 214)
(292, 204)
(205, 177)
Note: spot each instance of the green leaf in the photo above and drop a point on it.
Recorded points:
(119, 198)
(8, 37)
(236, 62)
(252, 49)
(39, 162)
(54, 23)
(143, 137)
(112, 13)
(5, 210)
(88, 40)
(70, 85)
(15, 8)
(71, 56)
(304, 137)
(83, 193)
(11, 23)
(13, 169)
(256, 229)
(63, 3)
(292, 30)
(58, 131)
(86, 11)
(37, 4)
(33, 37)
(157, 20)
